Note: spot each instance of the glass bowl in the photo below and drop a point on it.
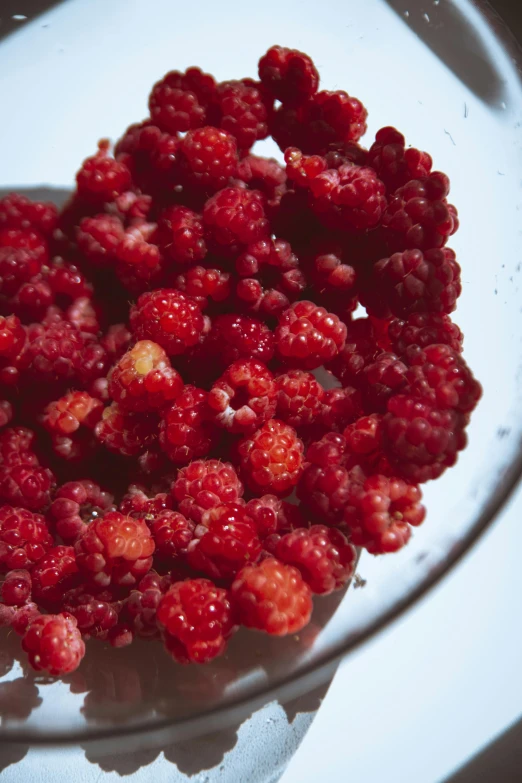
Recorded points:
(445, 73)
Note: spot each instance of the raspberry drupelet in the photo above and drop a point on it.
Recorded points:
(76, 504)
(197, 619)
(185, 429)
(323, 555)
(209, 158)
(299, 398)
(136, 503)
(244, 397)
(115, 550)
(172, 533)
(54, 644)
(16, 588)
(226, 542)
(12, 337)
(272, 597)
(53, 574)
(272, 458)
(128, 434)
(364, 436)
(144, 379)
(234, 217)
(205, 484)
(244, 107)
(181, 235)
(424, 329)
(288, 74)
(394, 164)
(380, 512)
(308, 336)
(272, 515)
(169, 318)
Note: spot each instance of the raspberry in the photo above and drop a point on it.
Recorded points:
(197, 619)
(272, 597)
(414, 281)
(17, 211)
(302, 169)
(364, 436)
(233, 217)
(96, 614)
(16, 440)
(209, 157)
(16, 589)
(31, 300)
(66, 281)
(323, 556)
(98, 237)
(84, 315)
(240, 337)
(421, 441)
(12, 337)
(175, 105)
(18, 266)
(53, 643)
(152, 157)
(226, 542)
(116, 340)
(299, 398)
(204, 284)
(359, 350)
(440, 376)
(101, 178)
(308, 336)
(266, 175)
(380, 512)
(169, 318)
(115, 550)
(69, 419)
(340, 407)
(330, 269)
(75, 505)
(142, 604)
(270, 302)
(348, 198)
(6, 413)
(143, 379)
(53, 574)
(137, 254)
(245, 108)
(272, 515)
(172, 533)
(60, 353)
(419, 216)
(128, 434)
(26, 484)
(137, 504)
(32, 242)
(185, 432)
(424, 329)
(384, 376)
(204, 485)
(244, 397)
(271, 459)
(181, 235)
(394, 164)
(288, 74)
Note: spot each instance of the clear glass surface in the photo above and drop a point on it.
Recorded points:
(446, 73)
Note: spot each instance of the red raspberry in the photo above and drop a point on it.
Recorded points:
(116, 340)
(302, 169)
(31, 300)
(330, 269)
(414, 281)
(176, 104)
(6, 413)
(143, 379)
(266, 175)
(32, 242)
(172, 533)
(359, 350)
(16, 588)
(323, 556)
(394, 164)
(75, 505)
(209, 157)
(169, 318)
(185, 432)
(340, 407)
(364, 436)
(16, 440)
(53, 643)
(197, 620)
(272, 458)
(226, 542)
(17, 211)
(380, 512)
(96, 614)
(152, 157)
(272, 597)
(299, 398)
(419, 216)
(308, 335)
(142, 604)
(137, 504)
(384, 376)
(60, 353)
(204, 485)
(181, 235)
(204, 284)
(424, 329)
(271, 301)
(66, 281)
(23, 616)
(128, 434)
(271, 515)
(244, 397)
(98, 237)
(138, 254)
(235, 337)
(24, 483)
(288, 74)
(233, 217)
(12, 337)
(245, 108)
(421, 441)
(115, 550)
(348, 198)
(440, 376)
(18, 267)
(84, 315)
(53, 574)
(101, 178)
(69, 420)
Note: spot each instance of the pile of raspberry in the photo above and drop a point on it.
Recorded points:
(221, 375)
